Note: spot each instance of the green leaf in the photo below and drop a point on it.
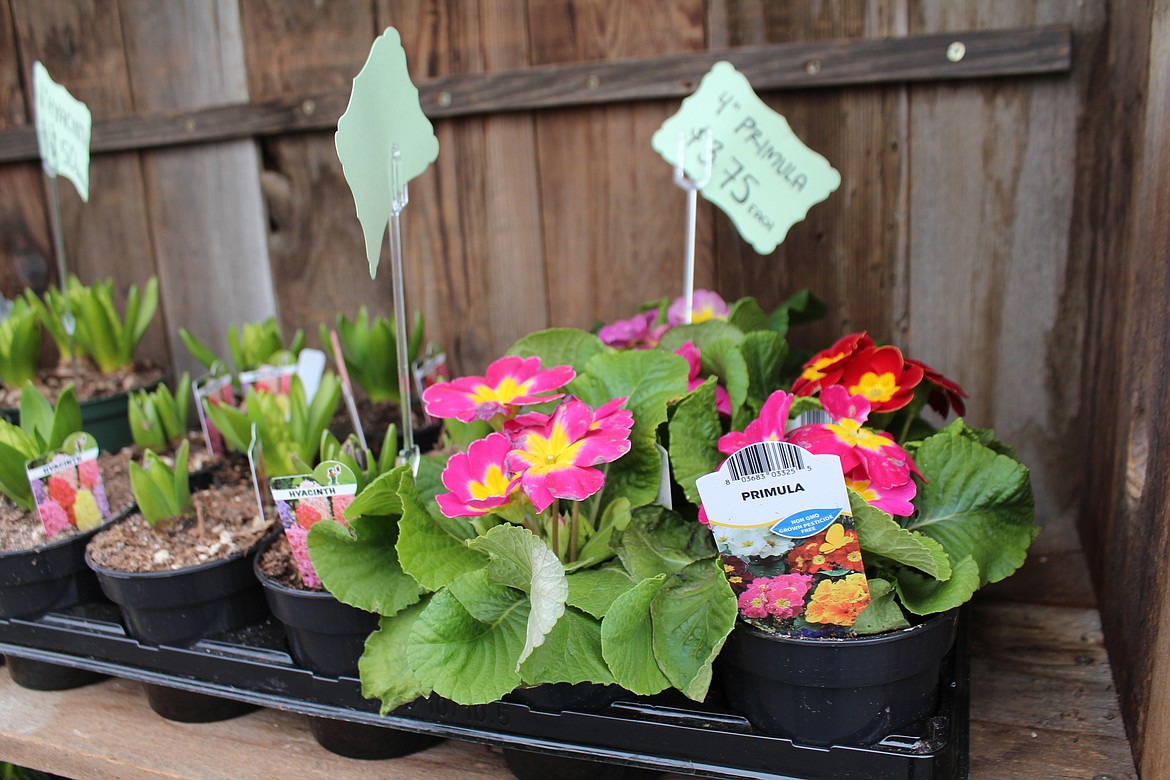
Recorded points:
(660, 541)
(649, 378)
(763, 353)
(883, 613)
(695, 430)
(926, 596)
(384, 668)
(594, 590)
(597, 550)
(155, 503)
(16, 447)
(636, 476)
(66, 418)
(627, 640)
(571, 653)
(701, 334)
(433, 550)
(466, 648)
(198, 349)
(359, 565)
(975, 503)
(380, 496)
(36, 416)
(522, 561)
(723, 358)
(560, 347)
(693, 612)
(747, 315)
(879, 534)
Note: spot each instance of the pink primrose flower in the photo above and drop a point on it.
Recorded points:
(555, 460)
(695, 379)
(509, 382)
(706, 305)
(769, 426)
(638, 332)
(894, 500)
(479, 479)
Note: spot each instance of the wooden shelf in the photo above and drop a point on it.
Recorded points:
(1042, 706)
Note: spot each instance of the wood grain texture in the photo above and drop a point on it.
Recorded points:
(317, 255)
(109, 237)
(204, 203)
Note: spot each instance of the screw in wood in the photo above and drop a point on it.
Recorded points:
(812, 67)
(444, 98)
(956, 51)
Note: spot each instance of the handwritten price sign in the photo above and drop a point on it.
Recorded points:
(762, 175)
(63, 130)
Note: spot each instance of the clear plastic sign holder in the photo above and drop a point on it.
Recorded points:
(400, 197)
(691, 187)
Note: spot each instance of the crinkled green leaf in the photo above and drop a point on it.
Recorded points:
(659, 541)
(722, 358)
(594, 590)
(650, 379)
(433, 549)
(694, 438)
(763, 352)
(747, 315)
(627, 640)
(520, 560)
(700, 334)
(571, 653)
(466, 647)
(923, 595)
(384, 668)
(692, 613)
(359, 565)
(879, 534)
(380, 496)
(974, 502)
(882, 613)
(560, 347)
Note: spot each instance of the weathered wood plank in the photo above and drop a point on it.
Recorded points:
(317, 255)
(204, 203)
(833, 63)
(108, 237)
(613, 220)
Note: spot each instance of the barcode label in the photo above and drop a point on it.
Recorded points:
(811, 417)
(765, 457)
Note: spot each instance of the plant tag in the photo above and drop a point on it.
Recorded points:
(305, 499)
(276, 380)
(384, 113)
(762, 175)
(208, 389)
(64, 125)
(310, 369)
(781, 521)
(68, 488)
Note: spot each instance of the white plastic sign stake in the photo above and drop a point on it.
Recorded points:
(778, 486)
(64, 125)
(763, 175)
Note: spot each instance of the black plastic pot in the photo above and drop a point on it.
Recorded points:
(51, 577)
(191, 706)
(42, 676)
(107, 420)
(559, 697)
(836, 691)
(180, 607)
(328, 637)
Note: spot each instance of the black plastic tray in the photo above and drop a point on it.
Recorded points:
(659, 733)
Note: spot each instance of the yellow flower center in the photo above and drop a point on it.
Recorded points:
(815, 372)
(861, 487)
(545, 455)
(507, 390)
(704, 313)
(875, 387)
(850, 432)
(494, 484)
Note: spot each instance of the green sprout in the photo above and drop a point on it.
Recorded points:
(289, 427)
(369, 349)
(253, 345)
(20, 344)
(43, 428)
(101, 334)
(158, 419)
(361, 460)
(163, 493)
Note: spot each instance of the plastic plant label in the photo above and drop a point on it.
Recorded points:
(209, 389)
(781, 522)
(762, 175)
(384, 113)
(68, 488)
(305, 499)
(64, 125)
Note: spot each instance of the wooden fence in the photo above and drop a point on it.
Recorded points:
(983, 221)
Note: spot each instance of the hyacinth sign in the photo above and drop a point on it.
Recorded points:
(304, 500)
(64, 125)
(384, 114)
(67, 486)
(760, 173)
(782, 524)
